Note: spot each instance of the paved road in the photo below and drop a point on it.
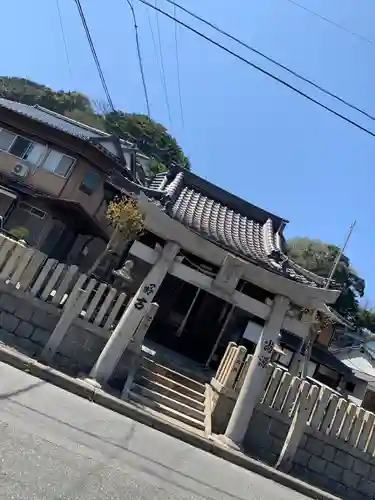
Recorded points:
(54, 445)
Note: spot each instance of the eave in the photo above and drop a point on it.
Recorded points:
(167, 228)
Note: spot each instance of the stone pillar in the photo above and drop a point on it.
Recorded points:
(255, 380)
(132, 316)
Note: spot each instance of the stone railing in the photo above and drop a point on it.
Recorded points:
(328, 413)
(54, 283)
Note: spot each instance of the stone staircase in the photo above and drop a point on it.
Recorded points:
(168, 391)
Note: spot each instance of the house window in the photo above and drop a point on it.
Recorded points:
(350, 386)
(21, 147)
(14, 144)
(327, 376)
(32, 210)
(90, 183)
(6, 139)
(58, 163)
(27, 222)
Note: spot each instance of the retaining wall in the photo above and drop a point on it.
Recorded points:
(337, 450)
(26, 323)
(323, 461)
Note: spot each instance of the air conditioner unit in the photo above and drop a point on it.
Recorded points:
(20, 170)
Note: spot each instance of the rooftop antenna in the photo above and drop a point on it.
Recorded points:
(339, 255)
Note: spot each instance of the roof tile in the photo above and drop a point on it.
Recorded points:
(224, 226)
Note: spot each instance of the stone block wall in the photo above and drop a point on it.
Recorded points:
(335, 466)
(26, 324)
(323, 461)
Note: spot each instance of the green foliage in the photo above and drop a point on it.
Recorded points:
(151, 137)
(28, 92)
(20, 233)
(86, 117)
(366, 318)
(125, 215)
(319, 258)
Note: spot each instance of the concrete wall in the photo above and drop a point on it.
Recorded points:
(321, 460)
(26, 324)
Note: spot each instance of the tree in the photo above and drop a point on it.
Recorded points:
(366, 318)
(127, 222)
(87, 117)
(319, 258)
(32, 93)
(151, 137)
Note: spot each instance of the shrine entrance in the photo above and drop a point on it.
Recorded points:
(189, 319)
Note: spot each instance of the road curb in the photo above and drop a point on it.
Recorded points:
(98, 396)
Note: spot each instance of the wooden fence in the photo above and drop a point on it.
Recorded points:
(53, 282)
(328, 412)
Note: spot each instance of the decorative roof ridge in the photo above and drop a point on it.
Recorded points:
(173, 189)
(135, 187)
(307, 274)
(269, 238)
(287, 260)
(332, 314)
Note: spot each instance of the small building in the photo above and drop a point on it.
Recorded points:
(360, 359)
(56, 177)
(230, 266)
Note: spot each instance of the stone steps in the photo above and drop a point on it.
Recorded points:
(167, 411)
(156, 385)
(157, 395)
(172, 384)
(174, 374)
(171, 393)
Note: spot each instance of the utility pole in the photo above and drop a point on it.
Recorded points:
(312, 335)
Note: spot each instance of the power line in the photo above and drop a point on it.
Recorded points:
(164, 81)
(155, 47)
(280, 65)
(259, 68)
(94, 54)
(178, 69)
(140, 57)
(64, 40)
(337, 25)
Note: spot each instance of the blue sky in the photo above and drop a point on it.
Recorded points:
(242, 130)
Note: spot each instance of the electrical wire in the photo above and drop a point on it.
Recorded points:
(178, 69)
(64, 40)
(140, 57)
(95, 56)
(162, 64)
(258, 52)
(337, 25)
(157, 55)
(259, 68)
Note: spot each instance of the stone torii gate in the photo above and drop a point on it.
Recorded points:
(286, 293)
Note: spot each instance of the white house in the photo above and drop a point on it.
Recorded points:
(361, 360)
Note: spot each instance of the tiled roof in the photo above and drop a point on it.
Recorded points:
(68, 126)
(53, 119)
(228, 221)
(251, 233)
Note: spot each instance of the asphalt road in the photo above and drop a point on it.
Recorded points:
(55, 445)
